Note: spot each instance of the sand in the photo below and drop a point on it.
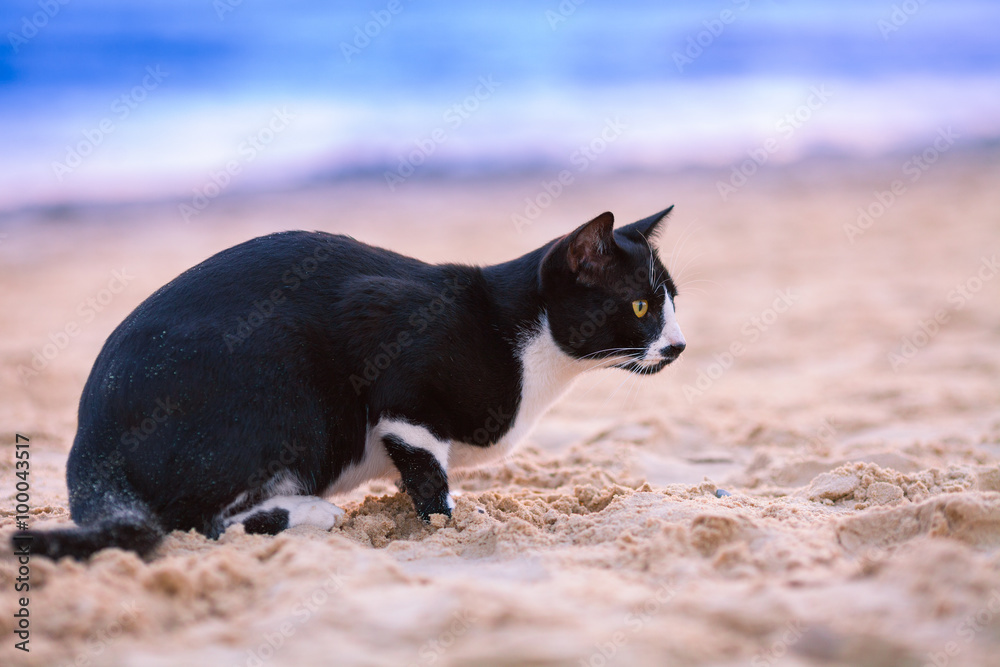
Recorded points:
(863, 524)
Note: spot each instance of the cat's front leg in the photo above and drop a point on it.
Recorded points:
(422, 461)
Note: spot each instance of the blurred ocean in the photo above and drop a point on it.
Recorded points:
(120, 100)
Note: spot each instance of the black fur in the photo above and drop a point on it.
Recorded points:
(422, 476)
(139, 534)
(275, 357)
(269, 522)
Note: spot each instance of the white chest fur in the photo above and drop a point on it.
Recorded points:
(547, 373)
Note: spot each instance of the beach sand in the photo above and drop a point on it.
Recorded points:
(863, 524)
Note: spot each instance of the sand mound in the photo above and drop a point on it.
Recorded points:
(863, 521)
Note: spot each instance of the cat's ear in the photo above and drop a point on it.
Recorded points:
(646, 228)
(591, 248)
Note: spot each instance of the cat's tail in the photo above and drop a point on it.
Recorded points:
(134, 530)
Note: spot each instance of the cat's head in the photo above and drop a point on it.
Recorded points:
(609, 298)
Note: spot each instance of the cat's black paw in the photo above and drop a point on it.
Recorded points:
(422, 477)
(442, 504)
(269, 522)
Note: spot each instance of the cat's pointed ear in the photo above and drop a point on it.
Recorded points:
(646, 228)
(591, 247)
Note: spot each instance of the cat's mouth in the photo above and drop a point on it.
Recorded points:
(644, 367)
(654, 362)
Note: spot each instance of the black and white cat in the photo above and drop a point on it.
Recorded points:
(300, 365)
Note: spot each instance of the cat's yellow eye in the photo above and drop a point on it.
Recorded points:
(641, 307)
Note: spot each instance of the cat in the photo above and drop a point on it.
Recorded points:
(302, 364)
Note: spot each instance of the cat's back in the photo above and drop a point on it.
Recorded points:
(251, 280)
(266, 296)
(285, 261)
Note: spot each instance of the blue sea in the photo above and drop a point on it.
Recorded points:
(117, 100)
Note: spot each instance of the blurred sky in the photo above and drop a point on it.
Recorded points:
(116, 100)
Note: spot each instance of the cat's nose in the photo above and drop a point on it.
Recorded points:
(671, 352)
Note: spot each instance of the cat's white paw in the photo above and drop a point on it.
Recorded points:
(309, 511)
(450, 502)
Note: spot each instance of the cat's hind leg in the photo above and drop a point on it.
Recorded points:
(281, 512)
